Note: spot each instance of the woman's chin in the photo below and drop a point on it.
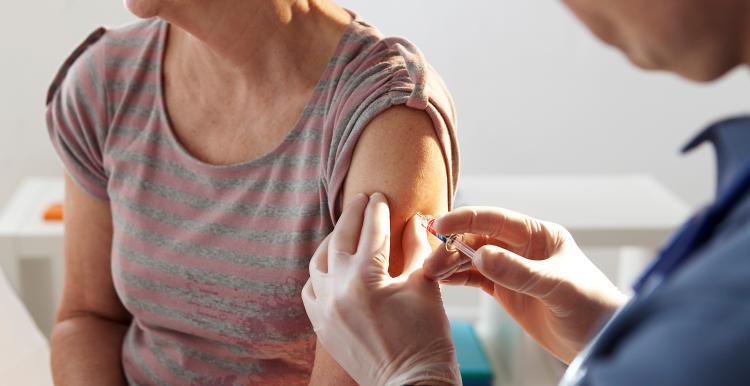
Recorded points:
(143, 8)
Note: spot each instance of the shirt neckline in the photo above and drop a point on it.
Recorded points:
(277, 151)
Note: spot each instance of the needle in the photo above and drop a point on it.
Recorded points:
(452, 242)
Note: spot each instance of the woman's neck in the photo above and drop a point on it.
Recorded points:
(256, 42)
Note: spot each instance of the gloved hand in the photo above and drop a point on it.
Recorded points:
(534, 269)
(381, 330)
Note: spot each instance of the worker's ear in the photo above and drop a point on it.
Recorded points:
(415, 245)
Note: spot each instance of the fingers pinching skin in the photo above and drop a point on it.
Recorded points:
(345, 236)
(415, 245)
(503, 225)
(374, 240)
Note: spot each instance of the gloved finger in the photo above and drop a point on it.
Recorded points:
(470, 278)
(460, 268)
(319, 260)
(419, 282)
(319, 280)
(465, 266)
(415, 245)
(345, 236)
(374, 241)
(467, 278)
(443, 262)
(310, 301)
(506, 226)
(308, 291)
(510, 270)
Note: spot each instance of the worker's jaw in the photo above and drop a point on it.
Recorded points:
(698, 39)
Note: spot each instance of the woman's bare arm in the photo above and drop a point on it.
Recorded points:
(91, 323)
(398, 155)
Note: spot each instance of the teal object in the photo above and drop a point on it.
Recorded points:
(475, 367)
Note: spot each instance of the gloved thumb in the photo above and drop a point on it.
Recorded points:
(415, 246)
(510, 270)
(374, 247)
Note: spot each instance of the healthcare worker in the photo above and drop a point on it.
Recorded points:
(689, 320)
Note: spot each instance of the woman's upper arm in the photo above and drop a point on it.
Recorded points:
(398, 154)
(89, 289)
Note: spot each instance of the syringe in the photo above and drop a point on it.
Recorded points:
(452, 242)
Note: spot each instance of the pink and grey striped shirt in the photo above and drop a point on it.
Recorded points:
(210, 260)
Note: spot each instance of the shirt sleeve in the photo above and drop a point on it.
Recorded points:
(76, 116)
(390, 74)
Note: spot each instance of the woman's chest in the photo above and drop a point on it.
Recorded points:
(215, 252)
(230, 125)
(262, 227)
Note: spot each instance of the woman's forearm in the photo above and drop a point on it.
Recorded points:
(327, 371)
(86, 350)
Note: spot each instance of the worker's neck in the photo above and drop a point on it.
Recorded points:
(258, 41)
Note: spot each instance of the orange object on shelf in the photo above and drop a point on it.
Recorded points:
(54, 212)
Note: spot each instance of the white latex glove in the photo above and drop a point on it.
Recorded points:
(534, 269)
(381, 330)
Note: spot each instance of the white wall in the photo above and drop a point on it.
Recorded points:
(35, 38)
(535, 92)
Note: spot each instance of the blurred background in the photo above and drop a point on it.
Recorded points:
(532, 87)
(536, 95)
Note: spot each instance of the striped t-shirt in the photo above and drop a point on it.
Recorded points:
(210, 260)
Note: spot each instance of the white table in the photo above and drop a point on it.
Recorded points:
(24, 354)
(31, 249)
(633, 213)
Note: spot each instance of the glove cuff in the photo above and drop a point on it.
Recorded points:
(428, 375)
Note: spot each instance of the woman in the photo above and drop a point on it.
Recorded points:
(209, 150)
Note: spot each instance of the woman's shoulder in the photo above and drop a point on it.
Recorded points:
(99, 59)
(382, 84)
(139, 28)
(370, 65)
(136, 39)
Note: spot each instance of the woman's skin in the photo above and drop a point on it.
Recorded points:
(225, 62)
(228, 60)
(91, 322)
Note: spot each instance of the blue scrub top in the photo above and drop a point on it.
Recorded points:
(694, 328)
